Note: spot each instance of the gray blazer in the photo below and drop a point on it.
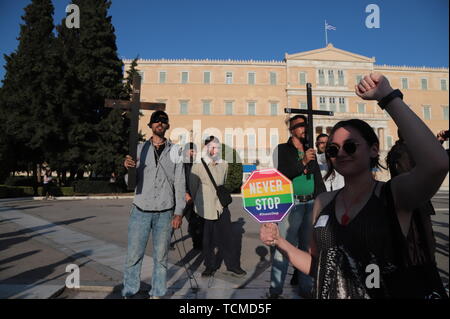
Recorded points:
(160, 187)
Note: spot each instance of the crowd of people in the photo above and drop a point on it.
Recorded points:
(344, 221)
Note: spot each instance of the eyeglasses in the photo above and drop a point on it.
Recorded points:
(333, 150)
(162, 119)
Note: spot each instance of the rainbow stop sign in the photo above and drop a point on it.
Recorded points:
(267, 195)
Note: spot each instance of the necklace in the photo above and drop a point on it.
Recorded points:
(345, 219)
(158, 144)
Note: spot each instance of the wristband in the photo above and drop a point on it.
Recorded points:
(388, 98)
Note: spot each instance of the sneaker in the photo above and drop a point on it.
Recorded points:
(208, 272)
(238, 272)
(273, 296)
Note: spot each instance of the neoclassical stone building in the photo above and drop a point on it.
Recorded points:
(243, 101)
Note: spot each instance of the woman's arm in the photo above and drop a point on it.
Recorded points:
(300, 259)
(423, 181)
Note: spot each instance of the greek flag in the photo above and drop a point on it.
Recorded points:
(329, 26)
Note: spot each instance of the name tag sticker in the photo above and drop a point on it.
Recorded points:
(322, 221)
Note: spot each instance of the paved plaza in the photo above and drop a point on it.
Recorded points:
(39, 239)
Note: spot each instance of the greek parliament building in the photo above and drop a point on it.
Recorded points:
(243, 101)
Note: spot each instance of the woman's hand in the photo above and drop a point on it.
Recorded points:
(269, 234)
(374, 86)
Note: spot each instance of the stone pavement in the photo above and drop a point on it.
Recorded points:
(38, 239)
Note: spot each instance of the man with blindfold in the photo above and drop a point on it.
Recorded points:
(157, 206)
(297, 162)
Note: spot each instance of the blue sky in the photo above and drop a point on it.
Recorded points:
(412, 32)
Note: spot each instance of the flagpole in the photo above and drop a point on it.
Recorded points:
(326, 36)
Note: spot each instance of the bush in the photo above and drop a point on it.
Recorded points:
(234, 177)
(15, 191)
(96, 187)
(57, 191)
(19, 181)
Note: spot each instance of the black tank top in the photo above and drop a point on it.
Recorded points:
(344, 252)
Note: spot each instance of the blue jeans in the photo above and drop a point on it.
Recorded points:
(296, 228)
(139, 227)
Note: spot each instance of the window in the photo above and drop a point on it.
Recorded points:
(331, 77)
(332, 101)
(251, 78)
(228, 108)
(427, 112)
(358, 79)
(341, 78)
(303, 105)
(182, 139)
(207, 107)
(361, 108)
(389, 142)
(321, 77)
(184, 77)
(445, 112)
(142, 74)
(229, 78)
(444, 85)
(162, 77)
(273, 78)
(183, 107)
(302, 78)
(251, 108)
(342, 104)
(273, 140)
(273, 108)
(252, 141)
(424, 84)
(322, 103)
(229, 139)
(404, 83)
(206, 77)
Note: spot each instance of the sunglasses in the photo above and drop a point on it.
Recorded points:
(303, 124)
(333, 150)
(162, 119)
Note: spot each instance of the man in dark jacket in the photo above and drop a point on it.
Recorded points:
(298, 163)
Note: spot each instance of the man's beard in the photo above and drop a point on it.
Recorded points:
(159, 133)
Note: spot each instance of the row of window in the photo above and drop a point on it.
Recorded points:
(341, 107)
(404, 83)
(207, 77)
(229, 108)
(325, 78)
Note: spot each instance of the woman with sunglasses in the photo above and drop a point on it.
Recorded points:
(353, 246)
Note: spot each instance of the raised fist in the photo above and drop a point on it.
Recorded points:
(374, 86)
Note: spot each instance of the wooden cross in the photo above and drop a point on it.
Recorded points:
(134, 106)
(309, 112)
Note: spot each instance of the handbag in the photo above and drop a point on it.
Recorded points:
(420, 281)
(222, 192)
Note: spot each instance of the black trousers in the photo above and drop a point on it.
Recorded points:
(218, 233)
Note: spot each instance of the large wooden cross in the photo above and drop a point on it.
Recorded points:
(309, 112)
(134, 106)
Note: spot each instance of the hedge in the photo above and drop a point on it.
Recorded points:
(96, 187)
(7, 191)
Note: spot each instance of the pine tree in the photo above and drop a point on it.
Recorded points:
(94, 72)
(28, 103)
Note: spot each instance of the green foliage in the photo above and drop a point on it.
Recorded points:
(234, 177)
(15, 191)
(96, 187)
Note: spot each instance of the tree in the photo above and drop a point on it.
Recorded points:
(94, 72)
(234, 177)
(28, 103)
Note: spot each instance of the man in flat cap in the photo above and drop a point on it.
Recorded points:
(157, 206)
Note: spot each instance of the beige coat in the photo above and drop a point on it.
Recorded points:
(206, 202)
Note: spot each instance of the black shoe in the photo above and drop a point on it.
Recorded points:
(238, 272)
(208, 272)
(273, 296)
